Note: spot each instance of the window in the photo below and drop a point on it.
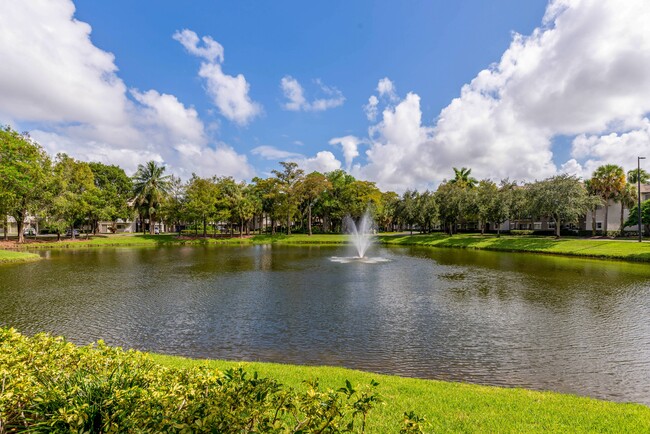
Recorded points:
(537, 226)
(551, 225)
(599, 225)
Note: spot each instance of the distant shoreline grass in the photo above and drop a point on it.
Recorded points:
(456, 407)
(625, 250)
(9, 256)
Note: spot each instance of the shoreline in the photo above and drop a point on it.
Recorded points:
(445, 406)
(603, 249)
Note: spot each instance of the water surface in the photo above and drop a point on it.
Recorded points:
(542, 322)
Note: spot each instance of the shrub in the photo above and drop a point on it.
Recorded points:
(49, 384)
(521, 232)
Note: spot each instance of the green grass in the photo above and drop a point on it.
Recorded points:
(126, 240)
(607, 249)
(629, 250)
(7, 256)
(458, 407)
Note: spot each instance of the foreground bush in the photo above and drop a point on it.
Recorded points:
(48, 384)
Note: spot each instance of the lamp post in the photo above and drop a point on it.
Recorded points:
(638, 190)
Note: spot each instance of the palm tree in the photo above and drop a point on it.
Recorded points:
(463, 179)
(608, 181)
(150, 187)
(627, 198)
(633, 176)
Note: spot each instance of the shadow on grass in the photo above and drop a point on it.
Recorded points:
(524, 244)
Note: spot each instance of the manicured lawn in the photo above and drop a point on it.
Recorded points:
(629, 250)
(458, 407)
(7, 256)
(127, 240)
(608, 249)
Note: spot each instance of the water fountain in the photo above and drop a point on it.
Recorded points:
(361, 235)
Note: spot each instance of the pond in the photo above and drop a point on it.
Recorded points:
(541, 322)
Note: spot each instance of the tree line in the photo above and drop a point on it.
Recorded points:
(64, 192)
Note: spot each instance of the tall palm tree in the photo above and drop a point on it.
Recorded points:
(608, 181)
(150, 187)
(633, 176)
(463, 179)
(627, 199)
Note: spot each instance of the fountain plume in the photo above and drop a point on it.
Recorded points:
(360, 233)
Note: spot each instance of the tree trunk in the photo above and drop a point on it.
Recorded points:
(272, 226)
(205, 227)
(606, 217)
(309, 219)
(288, 223)
(241, 230)
(72, 231)
(6, 234)
(19, 225)
(557, 228)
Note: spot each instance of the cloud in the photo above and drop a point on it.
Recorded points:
(350, 146)
(371, 108)
(323, 162)
(229, 93)
(273, 153)
(212, 51)
(295, 94)
(54, 80)
(51, 71)
(386, 89)
(582, 73)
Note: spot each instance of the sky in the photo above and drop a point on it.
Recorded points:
(395, 92)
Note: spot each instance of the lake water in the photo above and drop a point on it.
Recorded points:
(541, 322)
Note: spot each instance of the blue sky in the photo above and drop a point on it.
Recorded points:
(523, 89)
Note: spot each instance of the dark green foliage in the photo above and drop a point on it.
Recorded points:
(49, 385)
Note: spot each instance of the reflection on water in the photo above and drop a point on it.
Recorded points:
(569, 325)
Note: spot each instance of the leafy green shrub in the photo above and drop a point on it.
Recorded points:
(50, 385)
(521, 232)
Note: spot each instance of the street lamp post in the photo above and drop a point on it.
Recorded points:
(638, 191)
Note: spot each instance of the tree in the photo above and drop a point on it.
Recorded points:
(201, 197)
(407, 209)
(503, 204)
(608, 181)
(633, 176)
(633, 218)
(74, 189)
(114, 189)
(449, 198)
(562, 198)
(486, 196)
(150, 187)
(463, 179)
(174, 208)
(386, 211)
(311, 188)
(627, 198)
(25, 171)
(427, 213)
(288, 180)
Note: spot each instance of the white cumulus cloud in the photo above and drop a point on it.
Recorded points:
(350, 147)
(229, 93)
(583, 72)
(54, 79)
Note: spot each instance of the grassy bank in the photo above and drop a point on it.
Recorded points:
(7, 256)
(628, 250)
(458, 407)
(50, 384)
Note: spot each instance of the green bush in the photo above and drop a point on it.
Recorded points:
(50, 385)
(522, 232)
